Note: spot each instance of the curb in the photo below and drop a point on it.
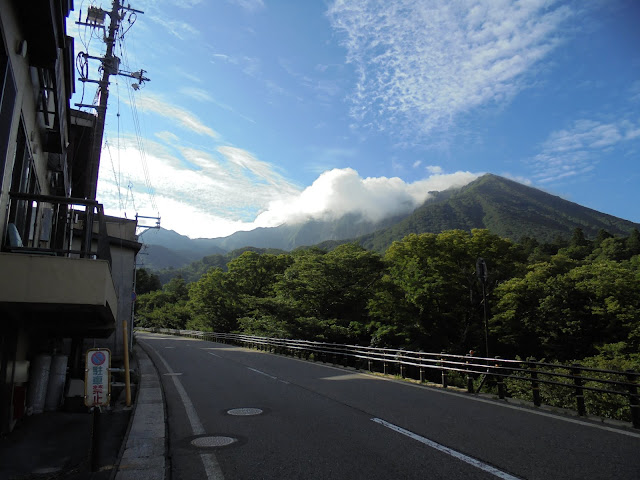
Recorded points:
(144, 456)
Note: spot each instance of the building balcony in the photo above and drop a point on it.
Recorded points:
(55, 263)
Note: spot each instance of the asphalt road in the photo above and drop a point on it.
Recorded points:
(313, 421)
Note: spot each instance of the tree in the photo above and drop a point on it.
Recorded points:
(329, 292)
(633, 243)
(165, 308)
(563, 310)
(213, 302)
(146, 281)
(432, 289)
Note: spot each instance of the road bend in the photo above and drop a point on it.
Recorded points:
(235, 413)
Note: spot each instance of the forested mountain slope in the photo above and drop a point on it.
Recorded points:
(506, 208)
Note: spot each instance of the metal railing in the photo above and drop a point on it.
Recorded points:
(52, 225)
(506, 378)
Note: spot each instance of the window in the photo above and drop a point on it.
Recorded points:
(7, 101)
(23, 180)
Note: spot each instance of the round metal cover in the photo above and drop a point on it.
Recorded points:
(213, 441)
(244, 412)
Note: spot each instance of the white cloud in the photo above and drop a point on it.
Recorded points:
(214, 194)
(434, 169)
(180, 30)
(340, 191)
(186, 119)
(576, 150)
(186, 3)
(198, 193)
(426, 63)
(249, 5)
(196, 93)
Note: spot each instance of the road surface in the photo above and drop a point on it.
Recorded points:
(235, 413)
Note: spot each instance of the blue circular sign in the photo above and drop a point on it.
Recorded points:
(98, 358)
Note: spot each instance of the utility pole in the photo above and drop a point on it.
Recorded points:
(110, 66)
(483, 275)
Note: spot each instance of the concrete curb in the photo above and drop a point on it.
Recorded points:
(144, 456)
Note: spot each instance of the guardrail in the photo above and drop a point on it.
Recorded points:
(548, 383)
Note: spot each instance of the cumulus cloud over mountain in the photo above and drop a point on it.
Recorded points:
(339, 192)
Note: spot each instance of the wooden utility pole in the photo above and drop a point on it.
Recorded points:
(110, 66)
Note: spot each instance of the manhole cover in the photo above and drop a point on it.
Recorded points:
(244, 412)
(213, 441)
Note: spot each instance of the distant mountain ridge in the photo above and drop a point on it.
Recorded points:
(505, 207)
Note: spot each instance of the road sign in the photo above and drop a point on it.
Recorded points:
(97, 377)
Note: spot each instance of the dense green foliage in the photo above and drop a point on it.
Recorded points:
(559, 301)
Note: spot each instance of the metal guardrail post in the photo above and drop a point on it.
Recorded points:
(634, 399)
(499, 380)
(535, 385)
(577, 381)
(469, 376)
(445, 378)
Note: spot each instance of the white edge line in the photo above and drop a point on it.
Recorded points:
(555, 416)
(209, 461)
(441, 448)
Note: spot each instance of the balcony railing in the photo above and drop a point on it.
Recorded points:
(60, 226)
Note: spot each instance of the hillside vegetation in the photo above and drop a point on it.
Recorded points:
(559, 301)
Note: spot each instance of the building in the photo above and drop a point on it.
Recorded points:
(66, 270)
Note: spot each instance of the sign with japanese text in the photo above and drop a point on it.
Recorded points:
(97, 377)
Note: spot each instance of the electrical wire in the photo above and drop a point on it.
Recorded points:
(108, 146)
(138, 130)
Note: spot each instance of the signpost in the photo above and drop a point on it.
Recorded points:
(97, 392)
(97, 377)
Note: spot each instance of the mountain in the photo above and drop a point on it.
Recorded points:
(505, 207)
(166, 248)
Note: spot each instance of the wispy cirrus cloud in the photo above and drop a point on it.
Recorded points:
(199, 192)
(180, 30)
(249, 5)
(186, 119)
(576, 150)
(420, 65)
(186, 3)
(197, 94)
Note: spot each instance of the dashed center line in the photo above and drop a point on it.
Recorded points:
(262, 373)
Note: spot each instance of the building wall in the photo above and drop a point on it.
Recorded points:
(25, 107)
(124, 248)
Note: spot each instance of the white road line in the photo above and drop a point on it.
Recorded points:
(214, 354)
(441, 448)
(555, 416)
(262, 373)
(209, 460)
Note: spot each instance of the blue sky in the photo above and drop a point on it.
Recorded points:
(260, 112)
